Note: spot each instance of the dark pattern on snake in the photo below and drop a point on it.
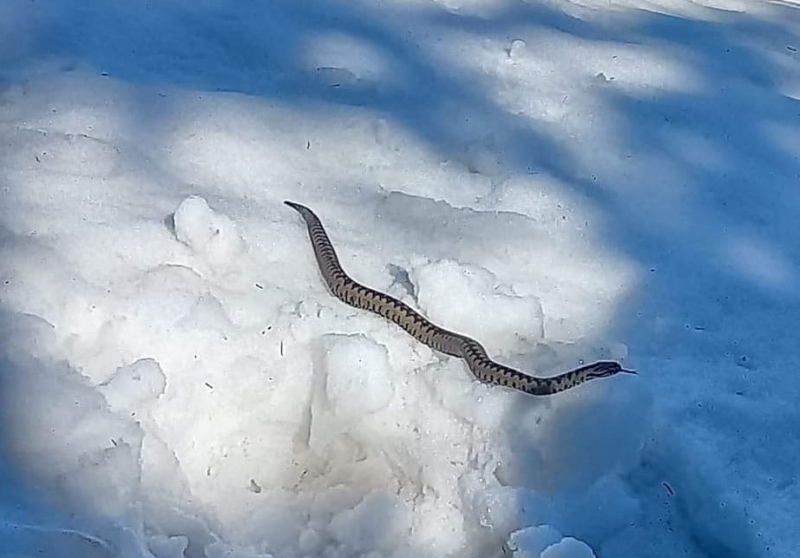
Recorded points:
(483, 368)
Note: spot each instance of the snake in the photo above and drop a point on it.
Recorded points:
(437, 338)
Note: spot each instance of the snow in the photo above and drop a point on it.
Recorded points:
(564, 181)
(355, 387)
(546, 542)
(478, 297)
(208, 233)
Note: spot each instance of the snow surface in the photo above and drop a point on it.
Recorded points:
(563, 180)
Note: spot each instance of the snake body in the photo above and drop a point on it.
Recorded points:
(482, 367)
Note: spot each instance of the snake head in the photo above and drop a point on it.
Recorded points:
(605, 368)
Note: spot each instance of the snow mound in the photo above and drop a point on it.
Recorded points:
(370, 526)
(468, 299)
(208, 233)
(544, 541)
(358, 376)
(61, 429)
(168, 547)
(353, 383)
(135, 385)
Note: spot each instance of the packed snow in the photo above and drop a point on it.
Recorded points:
(565, 181)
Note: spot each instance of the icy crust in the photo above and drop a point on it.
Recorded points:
(180, 426)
